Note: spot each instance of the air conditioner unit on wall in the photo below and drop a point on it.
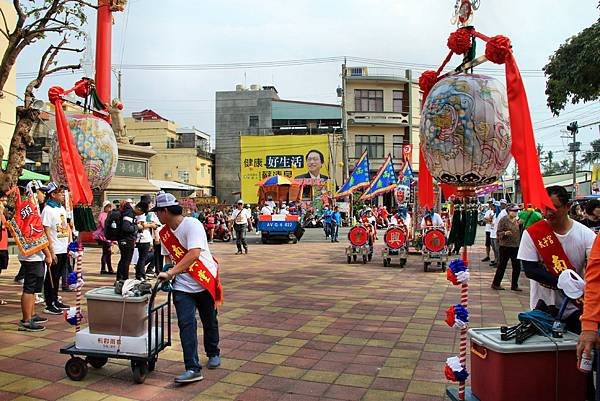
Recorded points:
(357, 71)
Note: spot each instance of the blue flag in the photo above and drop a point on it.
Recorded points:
(406, 174)
(384, 181)
(358, 179)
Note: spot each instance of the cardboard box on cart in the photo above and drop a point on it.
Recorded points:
(540, 369)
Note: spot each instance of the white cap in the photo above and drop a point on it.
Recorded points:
(106, 203)
(164, 200)
(571, 283)
(240, 202)
(503, 200)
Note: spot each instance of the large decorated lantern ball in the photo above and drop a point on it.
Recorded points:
(97, 146)
(465, 131)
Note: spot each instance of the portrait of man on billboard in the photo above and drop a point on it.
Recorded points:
(314, 161)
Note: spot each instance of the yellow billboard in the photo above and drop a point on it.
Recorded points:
(298, 157)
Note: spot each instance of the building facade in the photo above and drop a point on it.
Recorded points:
(259, 111)
(8, 100)
(381, 114)
(182, 154)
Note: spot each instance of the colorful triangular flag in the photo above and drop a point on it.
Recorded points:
(358, 179)
(406, 174)
(384, 181)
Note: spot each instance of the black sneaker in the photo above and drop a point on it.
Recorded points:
(486, 259)
(38, 319)
(53, 310)
(60, 305)
(30, 326)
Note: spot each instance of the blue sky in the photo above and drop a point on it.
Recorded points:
(233, 31)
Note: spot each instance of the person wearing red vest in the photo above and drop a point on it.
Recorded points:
(196, 284)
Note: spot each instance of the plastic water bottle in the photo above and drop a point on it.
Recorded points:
(113, 225)
(585, 363)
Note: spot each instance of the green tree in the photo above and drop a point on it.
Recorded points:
(49, 23)
(591, 156)
(573, 70)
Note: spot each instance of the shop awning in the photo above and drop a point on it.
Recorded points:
(173, 185)
(28, 175)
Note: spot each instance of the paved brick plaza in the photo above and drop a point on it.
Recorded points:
(298, 324)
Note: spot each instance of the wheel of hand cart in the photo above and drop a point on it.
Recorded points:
(354, 258)
(264, 240)
(152, 363)
(96, 361)
(76, 368)
(443, 266)
(364, 259)
(402, 263)
(426, 266)
(139, 370)
(385, 262)
(370, 256)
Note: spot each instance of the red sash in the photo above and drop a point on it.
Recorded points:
(197, 270)
(26, 225)
(428, 221)
(553, 255)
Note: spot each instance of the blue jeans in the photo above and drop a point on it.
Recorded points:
(186, 304)
(335, 229)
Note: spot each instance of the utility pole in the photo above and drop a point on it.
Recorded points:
(346, 169)
(574, 147)
(119, 76)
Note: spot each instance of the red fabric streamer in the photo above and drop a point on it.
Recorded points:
(460, 40)
(523, 149)
(425, 183)
(75, 173)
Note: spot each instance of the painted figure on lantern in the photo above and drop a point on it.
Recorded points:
(465, 130)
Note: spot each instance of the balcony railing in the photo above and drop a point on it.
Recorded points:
(370, 117)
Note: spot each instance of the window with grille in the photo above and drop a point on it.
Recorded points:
(400, 104)
(373, 143)
(368, 100)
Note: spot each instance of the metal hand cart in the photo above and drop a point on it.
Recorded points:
(435, 247)
(396, 245)
(361, 244)
(159, 338)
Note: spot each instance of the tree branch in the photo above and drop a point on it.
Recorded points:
(20, 14)
(5, 23)
(83, 3)
(44, 70)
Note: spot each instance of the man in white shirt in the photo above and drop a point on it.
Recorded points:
(266, 210)
(185, 246)
(575, 239)
(431, 219)
(494, 229)
(242, 221)
(58, 231)
(488, 217)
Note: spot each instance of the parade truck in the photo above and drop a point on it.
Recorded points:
(282, 227)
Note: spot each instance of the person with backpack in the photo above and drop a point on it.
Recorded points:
(144, 238)
(121, 227)
(105, 260)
